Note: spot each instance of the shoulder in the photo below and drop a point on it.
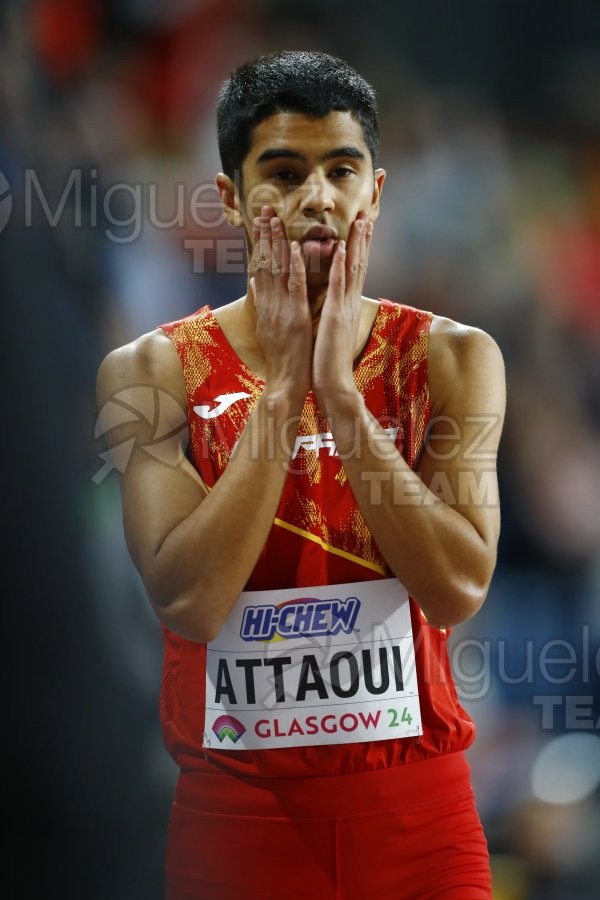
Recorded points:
(464, 359)
(151, 359)
(455, 342)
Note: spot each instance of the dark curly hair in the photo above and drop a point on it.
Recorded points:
(301, 81)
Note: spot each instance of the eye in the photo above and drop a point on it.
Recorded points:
(285, 175)
(342, 172)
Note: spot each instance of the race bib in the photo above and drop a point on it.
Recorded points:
(305, 666)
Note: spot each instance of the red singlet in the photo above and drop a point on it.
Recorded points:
(319, 537)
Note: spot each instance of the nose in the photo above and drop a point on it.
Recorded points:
(318, 195)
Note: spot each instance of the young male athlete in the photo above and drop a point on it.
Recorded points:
(334, 514)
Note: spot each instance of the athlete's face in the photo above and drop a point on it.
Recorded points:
(316, 175)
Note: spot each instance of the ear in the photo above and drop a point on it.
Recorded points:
(379, 178)
(229, 200)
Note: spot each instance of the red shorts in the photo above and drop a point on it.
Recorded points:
(409, 833)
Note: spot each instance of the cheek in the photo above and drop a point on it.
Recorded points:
(264, 195)
(366, 198)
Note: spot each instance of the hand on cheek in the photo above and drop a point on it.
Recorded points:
(335, 345)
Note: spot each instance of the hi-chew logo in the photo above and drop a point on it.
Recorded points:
(302, 617)
(227, 726)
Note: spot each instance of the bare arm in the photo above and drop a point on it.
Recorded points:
(194, 548)
(437, 528)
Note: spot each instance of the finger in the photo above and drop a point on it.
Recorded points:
(367, 249)
(336, 291)
(280, 248)
(368, 239)
(255, 240)
(263, 251)
(357, 229)
(297, 278)
(357, 235)
(356, 258)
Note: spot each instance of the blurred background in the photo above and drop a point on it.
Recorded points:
(490, 116)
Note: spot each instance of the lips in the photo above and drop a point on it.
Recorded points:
(319, 233)
(318, 244)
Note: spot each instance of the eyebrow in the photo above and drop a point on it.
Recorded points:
(285, 153)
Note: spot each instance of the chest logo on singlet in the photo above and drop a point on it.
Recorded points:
(314, 443)
(305, 617)
(223, 401)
